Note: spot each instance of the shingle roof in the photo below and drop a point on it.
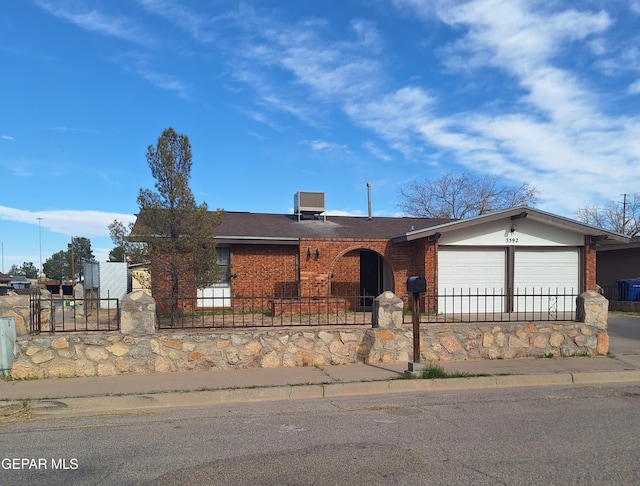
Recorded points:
(243, 226)
(274, 226)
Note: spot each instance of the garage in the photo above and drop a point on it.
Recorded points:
(474, 280)
(522, 263)
(548, 277)
(471, 279)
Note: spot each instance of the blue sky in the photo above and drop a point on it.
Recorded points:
(282, 96)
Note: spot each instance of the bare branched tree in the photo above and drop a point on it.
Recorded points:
(620, 216)
(459, 196)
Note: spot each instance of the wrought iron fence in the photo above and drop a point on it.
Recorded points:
(265, 311)
(611, 292)
(496, 305)
(322, 310)
(67, 314)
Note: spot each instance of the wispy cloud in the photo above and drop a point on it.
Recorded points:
(70, 129)
(67, 222)
(164, 81)
(395, 117)
(6, 137)
(260, 118)
(139, 63)
(95, 21)
(558, 124)
(324, 145)
(376, 151)
(300, 65)
(198, 25)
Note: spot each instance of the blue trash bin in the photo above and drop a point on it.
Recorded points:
(633, 292)
(623, 290)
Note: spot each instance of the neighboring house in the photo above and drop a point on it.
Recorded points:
(618, 262)
(507, 253)
(13, 282)
(5, 283)
(20, 282)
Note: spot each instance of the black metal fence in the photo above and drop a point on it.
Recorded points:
(322, 310)
(67, 314)
(611, 292)
(624, 291)
(499, 306)
(265, 311)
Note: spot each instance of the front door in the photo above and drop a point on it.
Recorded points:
(371, 278)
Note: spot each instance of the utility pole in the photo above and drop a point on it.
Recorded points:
(40, 270)
(73, 266)
(624, 214)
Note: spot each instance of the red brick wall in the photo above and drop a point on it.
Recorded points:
(271, 270)
(161, 287)
(336, 271)
(288, 271)
(589, 264)
(345, 274)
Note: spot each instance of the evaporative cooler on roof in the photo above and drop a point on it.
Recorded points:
(309, 204)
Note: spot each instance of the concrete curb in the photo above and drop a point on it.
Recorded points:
(587, 378)
(140, 403)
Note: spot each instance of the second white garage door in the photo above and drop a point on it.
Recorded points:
(468, 280)
(549, 278)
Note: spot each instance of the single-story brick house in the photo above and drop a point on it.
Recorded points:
(507, 253)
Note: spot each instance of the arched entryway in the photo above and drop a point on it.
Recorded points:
(375, 275)
(361, 272)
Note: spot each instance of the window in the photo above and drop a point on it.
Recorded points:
(224, 265)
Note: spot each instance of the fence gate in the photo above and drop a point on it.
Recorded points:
(35, 314)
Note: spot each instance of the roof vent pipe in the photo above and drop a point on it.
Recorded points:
(369, 199)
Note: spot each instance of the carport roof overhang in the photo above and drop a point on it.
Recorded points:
(598, 235)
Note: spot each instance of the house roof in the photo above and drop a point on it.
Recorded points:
(600, 236)
(634, 243)
(282, 228)
(265, 228)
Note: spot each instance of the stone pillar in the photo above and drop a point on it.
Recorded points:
(387, 311)
(138, 316)
(593, 310)
(16, 306)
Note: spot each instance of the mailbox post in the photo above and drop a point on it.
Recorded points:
(416, 286)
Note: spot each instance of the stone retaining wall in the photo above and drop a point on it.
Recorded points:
(18, 307)
(138, 348)
(106, 354)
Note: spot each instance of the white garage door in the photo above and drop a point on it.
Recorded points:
(470, 280)
(549, 278)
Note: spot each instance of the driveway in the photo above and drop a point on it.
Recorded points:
(624, 338)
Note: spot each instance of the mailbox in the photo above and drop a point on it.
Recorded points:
(416, 285)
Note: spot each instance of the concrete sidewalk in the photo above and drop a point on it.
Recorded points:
(107, 394)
